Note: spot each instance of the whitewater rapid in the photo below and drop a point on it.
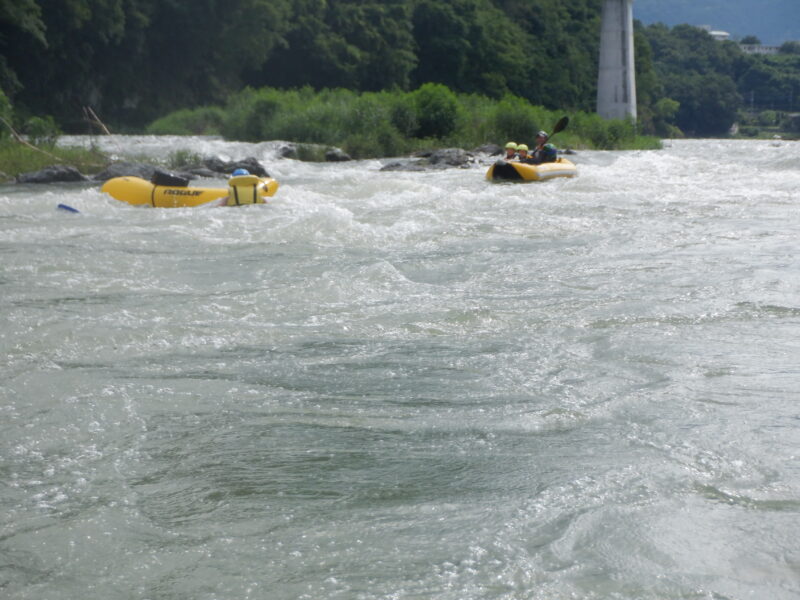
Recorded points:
(396, 385)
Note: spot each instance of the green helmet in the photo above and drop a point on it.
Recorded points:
(522, 147)
(511, 145)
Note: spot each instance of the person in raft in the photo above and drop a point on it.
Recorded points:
(544, 152)
(522, 153)
(511, 151)
(242, 189)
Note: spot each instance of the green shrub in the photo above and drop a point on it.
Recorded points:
(183, 158)
(311, 152)
(390, 123)
(16, 158)
(42, 131)
(437, 110)
(792, 123)
(205, 120)
(513, 120)
(384, 140)
(768, 118)
(403, 116)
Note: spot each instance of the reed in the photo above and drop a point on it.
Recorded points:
(16, 158)
(390, 123)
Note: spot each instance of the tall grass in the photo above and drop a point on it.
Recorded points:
(16, 158)
(390, 123)
(206, 120)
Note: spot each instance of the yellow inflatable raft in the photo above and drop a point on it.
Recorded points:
(243, 189)
(504, 170)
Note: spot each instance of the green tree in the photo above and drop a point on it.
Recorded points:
(708, 103)
(699, 73)
(790, 48)
(357, 45)
(437, 110)
(25, 15)
(18, 19)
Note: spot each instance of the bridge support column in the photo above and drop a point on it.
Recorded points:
(616, 80)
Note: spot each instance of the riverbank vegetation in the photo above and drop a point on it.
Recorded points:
(33, 147)
(376, 124)
(16, 158)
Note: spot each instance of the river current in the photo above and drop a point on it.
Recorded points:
(404, 385)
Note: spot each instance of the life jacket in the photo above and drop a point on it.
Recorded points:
(547, 153)
(244, 189)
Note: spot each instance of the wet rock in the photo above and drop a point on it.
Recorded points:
(288, 151)
(431, 160)
(450, 157)
(126, 169)
(336, 155)
(219, 166)
(406, 165)
(313, 153)
(490, 149)
(52, 174)
(202, 172)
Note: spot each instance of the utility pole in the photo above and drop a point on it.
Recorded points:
(616, 79)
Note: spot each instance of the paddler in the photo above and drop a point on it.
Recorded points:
(511, 151)
(242, 189)
(544, 152)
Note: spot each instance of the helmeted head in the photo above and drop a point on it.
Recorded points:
(522, 148)
(543, 135)
(238, 172)
(511, 146)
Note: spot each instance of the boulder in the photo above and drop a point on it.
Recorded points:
(288, 151)
(126, 169)
(450, 157)
(406, 165)
(336, 155)
(490, 149)
(430, 160)
(217, 165)
(202, 172)
(52, 174)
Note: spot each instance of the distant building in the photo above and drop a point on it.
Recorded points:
(720, 36)
(759, 49)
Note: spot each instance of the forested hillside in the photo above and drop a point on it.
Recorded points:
(134, 61)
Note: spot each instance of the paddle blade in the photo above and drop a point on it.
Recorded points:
(560, 126)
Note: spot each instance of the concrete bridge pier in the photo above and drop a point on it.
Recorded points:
(616, 79)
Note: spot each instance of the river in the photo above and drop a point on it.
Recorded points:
(396, 386)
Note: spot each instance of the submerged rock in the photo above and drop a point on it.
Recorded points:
(313, 153)
(406, 165)
(431, 160)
